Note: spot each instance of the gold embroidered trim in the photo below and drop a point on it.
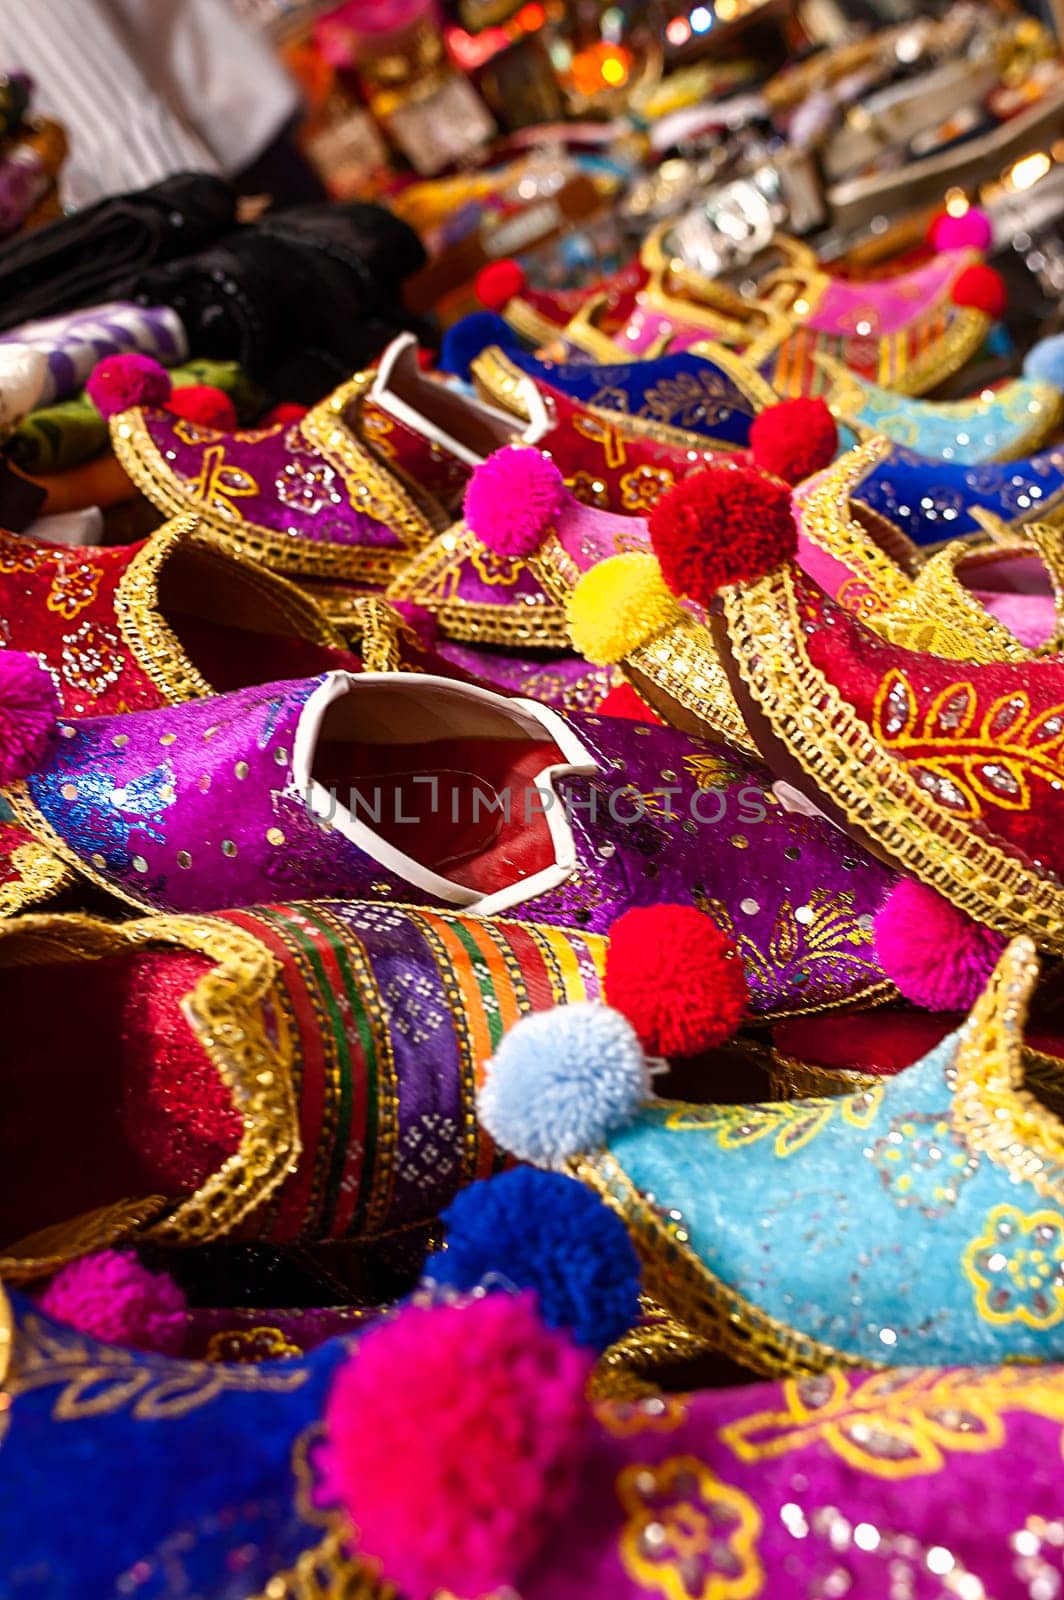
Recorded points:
(678, 669)
(500, 381)
(825, 517)
(871, 788)
(432, 579)
(965, 332)
(940, 615)
(707, 1307)
(993, 1110)
(40, 876)
(626, 1371)
(225, 1010)
(364, 479)
(153, 643)
(7, 1335)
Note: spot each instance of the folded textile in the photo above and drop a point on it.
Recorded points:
(75, 342)
(85, 259)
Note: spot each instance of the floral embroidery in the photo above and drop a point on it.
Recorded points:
(797, 951)
(790, 1124)
(713, 772)
(693, 399)
(589, 490)
(922, 1162)
(377, 429)
(644, 486)
(1017, 1267)
(496, 569)
(625, 1419)
(964, 766)
(688, 1536)
(72, 589)
(898, 1424)
(92, 657)
(307, 487)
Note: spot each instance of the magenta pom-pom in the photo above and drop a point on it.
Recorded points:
(119, 382)
(29, 706)
(972, 230)
(455, 1442)
(114, 1298)
(512, 500)
(936, 956)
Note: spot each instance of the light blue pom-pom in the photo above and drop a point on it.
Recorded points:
(561, 1081)
(1045, 360)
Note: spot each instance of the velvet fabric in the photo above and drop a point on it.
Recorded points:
(196, 807)
(935, 500)
(983, 741)
(681, 391)
(156, 1478)
(210, 1480)
(931, 1482)
(1013, 419)
(873, 1224)
(884, 306)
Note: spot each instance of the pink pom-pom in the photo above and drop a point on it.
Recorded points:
(935, 955)
(513, 498)
(971, 231)
(119, 382)
(286, 411)
(204, 405)
(29, 706)
(112, 1297)
(455, 1437)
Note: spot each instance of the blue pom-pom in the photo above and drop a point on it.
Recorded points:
(1045, 360)
(543, 1231)
(561, 1080)
(470, 337)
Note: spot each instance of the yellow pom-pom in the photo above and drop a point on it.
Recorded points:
(618, 606)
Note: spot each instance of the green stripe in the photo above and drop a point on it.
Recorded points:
(338, 1154)
(484, 980)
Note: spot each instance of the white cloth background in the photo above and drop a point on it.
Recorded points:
(146, 88)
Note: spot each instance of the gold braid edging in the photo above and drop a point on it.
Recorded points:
(870, 787)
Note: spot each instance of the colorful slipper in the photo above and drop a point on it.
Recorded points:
(301, 1072)
(176, 617)
(918, 1221)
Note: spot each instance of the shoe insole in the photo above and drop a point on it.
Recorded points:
(230, 657)
(467, 809)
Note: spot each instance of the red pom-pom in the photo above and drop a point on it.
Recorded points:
(29, 706)
(426, 359)
(794, 439)
(455, 1442)
(981, 289)
(624, 701)
(204, 405)
(723, 525)
(677, 977)
(513, 498)
(972, 230)
(935, 955)
(287, 411)
(498, 282)
(112, 1297)
(119, 382)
